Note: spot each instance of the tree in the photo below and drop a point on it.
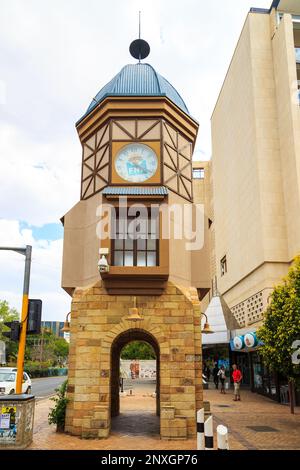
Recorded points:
(138, 350)
(8, 314)
(281, 328)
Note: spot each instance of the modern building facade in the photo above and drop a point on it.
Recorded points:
(55, 327)
(255, 168)
(137, 138)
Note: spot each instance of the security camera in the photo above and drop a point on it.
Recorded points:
(103, 265)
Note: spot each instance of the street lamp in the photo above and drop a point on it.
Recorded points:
(66, 327)
(24, 315)
(134, 313)
(206, 330)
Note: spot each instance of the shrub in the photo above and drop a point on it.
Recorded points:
(57, 414)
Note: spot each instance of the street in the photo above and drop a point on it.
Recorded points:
(44, 387)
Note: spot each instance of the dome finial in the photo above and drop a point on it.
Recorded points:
(139, 49)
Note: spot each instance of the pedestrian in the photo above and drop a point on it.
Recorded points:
(237, 378)
(222, 377)
(207, 373)
(215, 375)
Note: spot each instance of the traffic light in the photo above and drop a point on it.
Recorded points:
(34, 317)
(15, 328)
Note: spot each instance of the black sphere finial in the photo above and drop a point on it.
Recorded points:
(139, 49)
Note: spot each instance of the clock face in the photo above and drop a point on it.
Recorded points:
(136, 163)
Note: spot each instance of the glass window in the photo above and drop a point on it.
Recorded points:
(141, 258)
(137, 248)
(128, 258)
(198, 173)
(223, 264)
(151, 258)
(151, 244)
(118, 258)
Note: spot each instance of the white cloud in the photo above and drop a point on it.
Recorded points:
(55, 56)
(45, 271)
(39, 181)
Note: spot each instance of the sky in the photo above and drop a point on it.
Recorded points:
(55, 56)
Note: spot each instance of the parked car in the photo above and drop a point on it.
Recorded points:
(8, 377)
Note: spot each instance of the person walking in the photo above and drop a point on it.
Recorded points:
(215, 375)
(207, 373)
(222, 377)
(237, 378)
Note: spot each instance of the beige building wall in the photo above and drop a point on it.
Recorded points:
(255, 166)
(288, 127)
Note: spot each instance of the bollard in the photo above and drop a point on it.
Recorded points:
(209, 434)
(200, 429)
(222, 437)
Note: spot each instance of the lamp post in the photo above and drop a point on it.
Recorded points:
(24, 314)
(66, 327)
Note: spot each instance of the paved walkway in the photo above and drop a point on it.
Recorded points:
(256, 422)
(137, 426)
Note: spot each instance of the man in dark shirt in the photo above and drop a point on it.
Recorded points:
(215, 375)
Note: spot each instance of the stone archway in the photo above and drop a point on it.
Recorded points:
(133, 334)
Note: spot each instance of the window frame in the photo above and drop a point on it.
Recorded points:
(223, 266)
(201, 173)
(135, 250)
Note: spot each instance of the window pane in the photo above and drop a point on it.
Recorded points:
(141, 259)
(141, 244)
(128, 258)
(128, 244)
(151, 258)
(119, 258)
(118, 244)
(151, 244)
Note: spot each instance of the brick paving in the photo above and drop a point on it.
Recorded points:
(137, 426)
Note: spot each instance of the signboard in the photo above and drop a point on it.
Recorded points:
(8, 427)
(245, 343)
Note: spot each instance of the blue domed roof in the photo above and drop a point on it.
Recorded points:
(138, 80)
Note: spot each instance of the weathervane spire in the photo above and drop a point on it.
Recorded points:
(139, 49)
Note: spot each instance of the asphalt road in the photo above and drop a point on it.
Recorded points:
(46, 386)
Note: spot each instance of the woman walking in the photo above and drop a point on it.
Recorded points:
(222, 377)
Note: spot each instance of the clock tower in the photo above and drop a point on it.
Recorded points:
(137, 139)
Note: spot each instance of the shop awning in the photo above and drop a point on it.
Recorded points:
(221, 321)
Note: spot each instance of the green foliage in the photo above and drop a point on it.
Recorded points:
(46, 347)
(57, 414)
(138, 350)
(282, 324)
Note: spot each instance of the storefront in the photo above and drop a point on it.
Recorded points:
(245, 353)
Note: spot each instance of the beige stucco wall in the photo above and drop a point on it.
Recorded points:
(237, 209)
(81, 245)
(255, 163)
(288, 128)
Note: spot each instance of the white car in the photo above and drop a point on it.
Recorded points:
(8, 377)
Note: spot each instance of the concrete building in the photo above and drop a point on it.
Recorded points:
(256, 165)
(137, 138)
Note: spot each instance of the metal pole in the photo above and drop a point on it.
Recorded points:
(200, 429)
(22, 340)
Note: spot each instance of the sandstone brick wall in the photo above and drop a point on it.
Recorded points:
(98, 320)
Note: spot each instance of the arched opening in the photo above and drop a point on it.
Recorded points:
(132, 419)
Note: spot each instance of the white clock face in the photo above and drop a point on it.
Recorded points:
(136, 163)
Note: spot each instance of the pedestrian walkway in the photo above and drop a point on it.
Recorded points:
(254, 423)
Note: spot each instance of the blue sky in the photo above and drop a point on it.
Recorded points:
(55, 56)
